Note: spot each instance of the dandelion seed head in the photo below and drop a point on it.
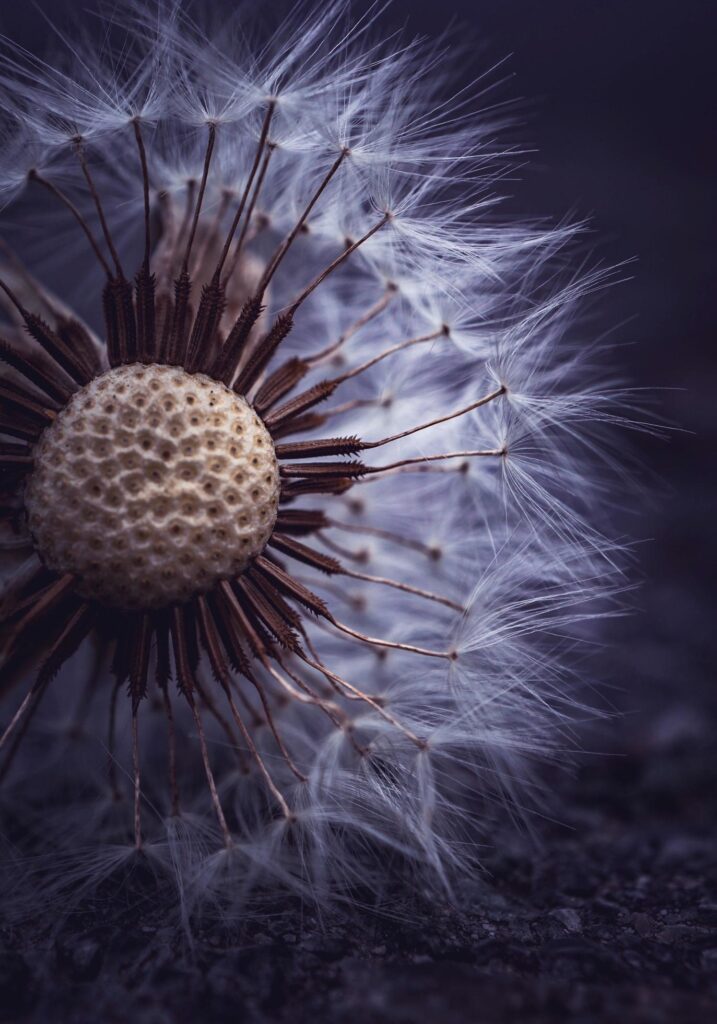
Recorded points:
(151, 485)
(310, 463)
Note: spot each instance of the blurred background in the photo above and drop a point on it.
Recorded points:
(615, 107)
(619, 106)
(616, 101)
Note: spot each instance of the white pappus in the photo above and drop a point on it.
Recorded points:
(303, 224)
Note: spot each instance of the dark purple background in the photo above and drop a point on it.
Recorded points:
(621, 108)
(619, 105)
(614, 917)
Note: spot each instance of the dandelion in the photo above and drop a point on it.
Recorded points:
(319, 491)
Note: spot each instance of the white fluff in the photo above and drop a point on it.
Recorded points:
(519, 539)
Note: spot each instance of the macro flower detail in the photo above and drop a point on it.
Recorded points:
(150, 485)
(304, 465)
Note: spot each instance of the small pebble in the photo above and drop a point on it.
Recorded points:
(569, 918)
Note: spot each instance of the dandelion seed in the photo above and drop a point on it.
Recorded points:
(351, 634)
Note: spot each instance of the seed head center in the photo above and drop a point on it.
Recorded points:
(151, 485)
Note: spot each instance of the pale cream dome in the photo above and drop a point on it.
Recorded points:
(151, 485)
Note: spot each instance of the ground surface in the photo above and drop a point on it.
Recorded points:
(614, 919)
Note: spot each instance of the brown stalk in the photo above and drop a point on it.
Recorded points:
(76, 628)
(223, 723)
(343, 685)
(206, 323)
(301, 521)
(423, 459)
(256, 642)
(145, 189)
(279, 383)
(59, 194)
(291, 587)
(53, 382)
(440, 419)
(49, 340)
(272, 620)
(250, 181)
(370, 314)
(324, 446)
(300, 425)
(393, 538)
(77, 338)
(390, 644)
(79, 150)
(300, 404)
(249, 213)
(111, 742)
(137, 781)
(42, 604)
(172, 754)
(332, 485)
(139, 660)
(272, 595)
(226, 362)
(302, 553)
(223, 677)
(211, 140)
(186, 683)
(320, 278)
(145, 296)
(16, 395)
(23, 428)
(120, 321)
(324, 470)
(263, 353)
(284, 247)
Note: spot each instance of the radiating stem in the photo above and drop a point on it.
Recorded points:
(331, 350)
(218, 810)
(441, 419)
(281, 252)
(145, 188)
(422, 459)
(320, 278)
(98, 206)
(202, 188)
(250, 180)
(136, 773)
(59, 194)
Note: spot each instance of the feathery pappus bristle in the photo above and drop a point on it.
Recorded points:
(306, 463)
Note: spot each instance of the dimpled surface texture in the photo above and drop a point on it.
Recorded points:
(151, 485)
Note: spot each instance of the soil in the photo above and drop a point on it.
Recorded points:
(613, 918)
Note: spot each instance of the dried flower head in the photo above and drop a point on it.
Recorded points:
(319, 493)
